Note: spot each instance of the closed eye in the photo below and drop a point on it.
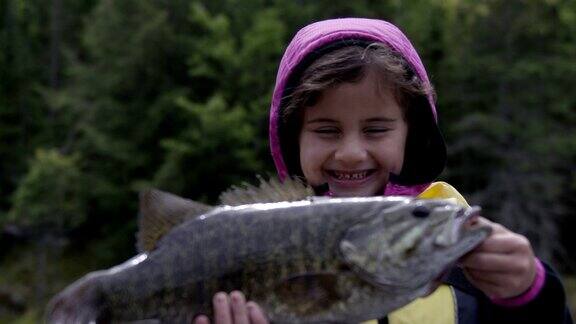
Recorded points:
(326, 130)
(375, 130)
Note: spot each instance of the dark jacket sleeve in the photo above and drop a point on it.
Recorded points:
(548, 307)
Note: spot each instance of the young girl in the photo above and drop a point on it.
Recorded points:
(353, 113)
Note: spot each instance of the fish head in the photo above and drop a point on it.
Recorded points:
(412, 244)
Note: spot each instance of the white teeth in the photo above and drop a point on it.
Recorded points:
(351, 176)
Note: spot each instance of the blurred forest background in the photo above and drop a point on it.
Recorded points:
(101, 98)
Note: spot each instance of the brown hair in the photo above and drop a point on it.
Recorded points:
(347, 64)
(351, 64)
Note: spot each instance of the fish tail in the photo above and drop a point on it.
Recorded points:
(82, 302)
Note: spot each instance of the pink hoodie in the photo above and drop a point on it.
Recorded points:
(429, 157)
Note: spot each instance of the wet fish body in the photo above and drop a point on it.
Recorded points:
(316, 260)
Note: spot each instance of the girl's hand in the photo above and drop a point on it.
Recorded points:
(502, 266)
(233, 309)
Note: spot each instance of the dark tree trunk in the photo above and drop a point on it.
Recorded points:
(55, 43)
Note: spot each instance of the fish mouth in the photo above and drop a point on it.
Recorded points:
(463, 223)
(466, 221)
(468, 218)
(464, 228)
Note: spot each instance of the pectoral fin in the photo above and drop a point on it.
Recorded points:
(160, 212)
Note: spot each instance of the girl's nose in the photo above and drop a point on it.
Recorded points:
(350, 152)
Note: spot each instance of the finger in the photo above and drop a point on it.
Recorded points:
(222, 311)
(498, 285)
(201, 319)
(256, 314)
(239, 312)
(496, 227)
(488, 262)
(515, 264)
(504, 242)
(518, 280)
(488, 288)
(493, 286)
(488, 278)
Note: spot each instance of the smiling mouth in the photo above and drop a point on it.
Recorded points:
(350, 175)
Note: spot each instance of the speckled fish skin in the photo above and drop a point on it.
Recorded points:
(312, 261)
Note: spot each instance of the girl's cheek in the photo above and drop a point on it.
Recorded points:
(391, 153)
(312, 157)
(397, 163)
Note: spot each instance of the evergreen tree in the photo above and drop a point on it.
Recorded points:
(506, 77)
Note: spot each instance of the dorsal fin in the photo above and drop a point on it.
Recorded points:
(291, 189)
(159, 213)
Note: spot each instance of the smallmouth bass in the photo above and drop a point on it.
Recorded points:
(303, 259)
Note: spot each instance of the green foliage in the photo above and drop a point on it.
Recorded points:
(20, 75)
(214, 151)
(50, 196)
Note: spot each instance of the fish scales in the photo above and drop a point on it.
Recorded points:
(230, 242)
(315, 260)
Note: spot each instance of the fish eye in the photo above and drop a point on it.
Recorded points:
(421, 212)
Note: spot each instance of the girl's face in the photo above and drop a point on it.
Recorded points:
(353, 138)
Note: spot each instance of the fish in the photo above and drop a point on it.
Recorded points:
(302, 258)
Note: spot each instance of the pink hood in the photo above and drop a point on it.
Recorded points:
(320, 34)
